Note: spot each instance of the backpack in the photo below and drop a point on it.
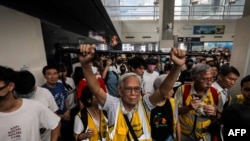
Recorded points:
(187, 89)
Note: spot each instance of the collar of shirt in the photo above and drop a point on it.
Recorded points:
(130, 113)
(219, 88)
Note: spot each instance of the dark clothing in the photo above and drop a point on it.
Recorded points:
(161, 122)
(59, 95)
(185, 76)
(236, 117)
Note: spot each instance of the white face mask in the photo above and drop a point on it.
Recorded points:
(94, 69)
(110, 68)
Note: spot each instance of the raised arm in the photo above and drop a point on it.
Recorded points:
(105, 71)
(178, 57)
(86, 56)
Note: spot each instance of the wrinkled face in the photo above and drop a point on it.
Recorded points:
(227, 81)
(205, 81)
(245, 90)
(51, 75)
(131, 91)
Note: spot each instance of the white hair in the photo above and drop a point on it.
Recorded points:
(125, 76)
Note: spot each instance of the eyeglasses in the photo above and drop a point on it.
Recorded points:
(210, 79)
(129, 89)
(4, 86)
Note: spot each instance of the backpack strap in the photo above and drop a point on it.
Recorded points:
(215, 95)
(187, 89)
(186, 92)
(83, 114)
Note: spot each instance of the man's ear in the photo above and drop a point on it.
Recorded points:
(11, 86)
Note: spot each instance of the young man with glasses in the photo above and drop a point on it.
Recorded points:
(20, 118)
(130, 110)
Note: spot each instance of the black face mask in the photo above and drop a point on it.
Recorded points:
(119, 61)
(3, 97)
(123, 70)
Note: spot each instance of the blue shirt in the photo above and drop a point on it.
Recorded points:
(59, 95)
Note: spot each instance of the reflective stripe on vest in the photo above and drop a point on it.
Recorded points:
(187, 120)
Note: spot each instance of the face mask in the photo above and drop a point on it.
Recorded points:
(163, 59)
(123, 69)
(151, 67)
(110, 68)
(29, 95)
(194, 59)
(119, 61)
(94, 69)
(3, 97)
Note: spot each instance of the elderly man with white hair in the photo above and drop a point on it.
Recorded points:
(127, 115)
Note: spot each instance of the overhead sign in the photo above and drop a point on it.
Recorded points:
(208, 29)
(188, 39)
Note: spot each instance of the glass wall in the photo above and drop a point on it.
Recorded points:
(133, 9)
(208, 9)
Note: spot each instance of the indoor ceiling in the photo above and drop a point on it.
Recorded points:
(73, 19)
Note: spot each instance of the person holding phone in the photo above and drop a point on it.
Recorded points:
(197, 104)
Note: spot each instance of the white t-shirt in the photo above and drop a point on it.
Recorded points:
(222, 97)
(148, 80)
(44, 96)
(24, 123)
(71, 93)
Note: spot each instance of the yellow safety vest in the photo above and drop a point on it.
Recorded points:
(237, 99)
(103, 127)
(139, 122)
(175, 114)
(202, 123)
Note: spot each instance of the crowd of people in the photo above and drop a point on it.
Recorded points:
(125, 98)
